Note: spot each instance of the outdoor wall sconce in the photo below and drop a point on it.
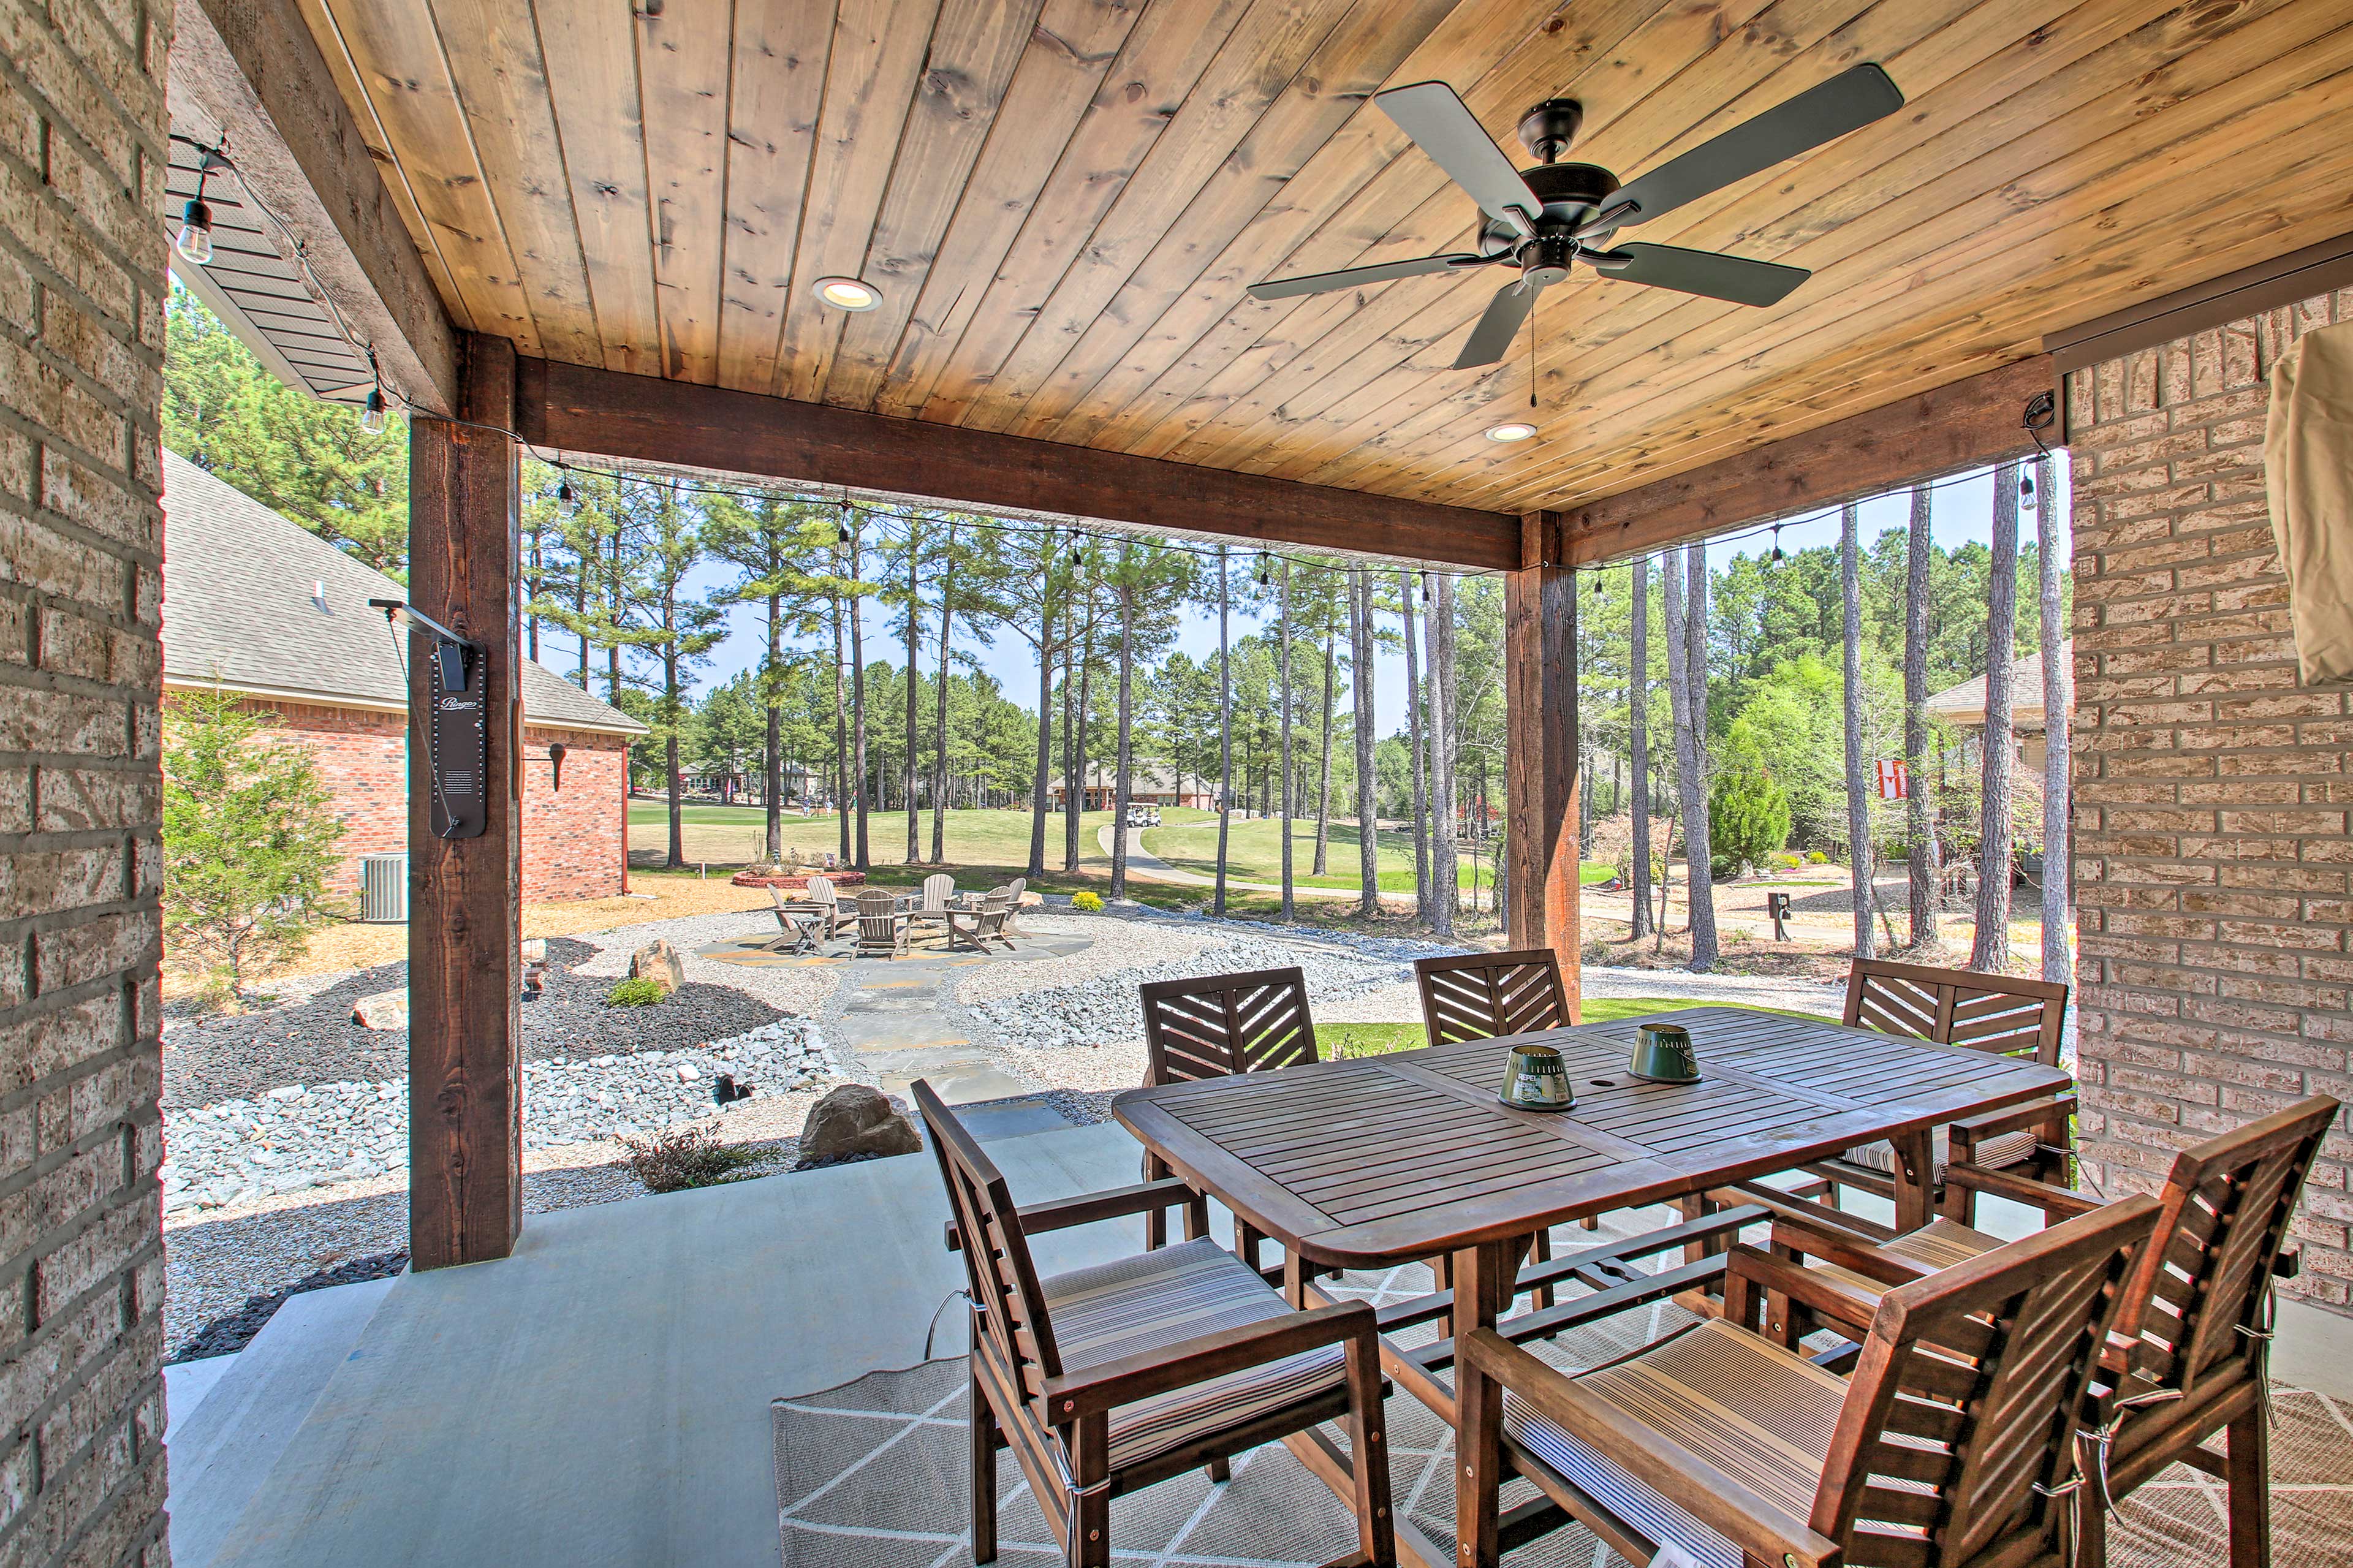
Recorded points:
(555, 764)
(457, 730)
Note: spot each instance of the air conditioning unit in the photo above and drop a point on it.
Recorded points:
(383, 887)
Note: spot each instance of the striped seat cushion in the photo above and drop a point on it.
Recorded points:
(1939, 1244)
(1746, 1405)
(1159, 1298)
(2002, 1149)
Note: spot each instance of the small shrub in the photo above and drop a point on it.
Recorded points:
(671, 1161)
(1087, 901)
(637, 991)
(1816, 857)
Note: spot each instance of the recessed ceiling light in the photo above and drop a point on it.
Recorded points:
(848, 293)
(1515, 431)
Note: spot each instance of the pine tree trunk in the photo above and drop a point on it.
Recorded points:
(1444, 869)
(1990, 951)
(671, 706)
(840, 742)
(1858, 767)
(1225, 727)
(1121, 785)
(857, 699)
(1415, 748)
(2058, 700)
(1690, 778)
(907, 765)
(1078, 764)
(1368, 794)
(772, 752)
(940, 729)
(1920, 854)
(1289, 803)
(1046, 650)
(1638, 742)
(1323, 866)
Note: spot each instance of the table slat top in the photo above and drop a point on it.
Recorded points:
(1386, 1159)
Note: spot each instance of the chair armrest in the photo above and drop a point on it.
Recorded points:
(1822, 1296)
(1722, 1502)
(1802, 1214)
(1095, 1389)
(2032, 1115)
(2020, 1189)
(1086, 1208)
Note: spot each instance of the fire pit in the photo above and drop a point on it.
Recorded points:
(797, 879)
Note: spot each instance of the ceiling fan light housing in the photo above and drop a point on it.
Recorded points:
(1511, 430)
(848, 293)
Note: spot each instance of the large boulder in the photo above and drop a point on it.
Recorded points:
(658, 962)
(384, 1010)
(855, 1122)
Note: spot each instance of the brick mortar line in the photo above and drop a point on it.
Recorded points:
(56, 117)
(66, 528)
(131, 1051)
(112, 469)
(37, 341)
(51, 1241)
(117, 1345)
(41, 677)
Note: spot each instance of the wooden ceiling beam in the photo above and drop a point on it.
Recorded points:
(253, 69)
(1965, 425)
(583, 410)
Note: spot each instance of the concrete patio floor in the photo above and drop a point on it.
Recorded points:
(601, 1397)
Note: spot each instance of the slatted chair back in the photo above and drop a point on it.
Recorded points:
(2227, 1207)
(879, 925)
(938, 889)
(1221, 1025)
(2007, 1015)
(1483, 995)
(1009, 1307)
(820, 890)
(1956, 1443)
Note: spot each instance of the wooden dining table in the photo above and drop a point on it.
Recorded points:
(1372, 1162)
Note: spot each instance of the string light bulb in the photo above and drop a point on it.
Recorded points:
(195, 240)
(563, 496)
(1596, 584)
(372, 412)
(2026, 486)
(1265, 569)
(1777, 556)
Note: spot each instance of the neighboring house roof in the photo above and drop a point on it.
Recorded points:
(1144, 778)
(256, 602)
(1964, 704)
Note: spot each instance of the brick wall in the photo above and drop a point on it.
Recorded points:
(81, 341)
(2212, 860)
(572, 835)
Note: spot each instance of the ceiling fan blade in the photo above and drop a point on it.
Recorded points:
(1823, 112)
(1490, 339)
(1703, 272)
(1351, 277)
(1443, 127)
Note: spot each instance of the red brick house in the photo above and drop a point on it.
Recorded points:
(256, 603)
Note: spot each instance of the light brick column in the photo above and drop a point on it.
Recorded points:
(2210, 788)
(83, 288)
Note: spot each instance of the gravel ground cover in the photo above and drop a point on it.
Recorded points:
(310, 1037)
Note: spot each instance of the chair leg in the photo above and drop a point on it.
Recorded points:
(1221, 1470)
(1089, 1545)
(2249, 1476)
(983, 1423)
(1368, 1454)
(1156, 1221)
(2091, 1526)
(1541, 1252)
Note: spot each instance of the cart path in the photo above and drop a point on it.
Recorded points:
(1150, 868)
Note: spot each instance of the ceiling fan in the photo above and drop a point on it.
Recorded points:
(1542, 219)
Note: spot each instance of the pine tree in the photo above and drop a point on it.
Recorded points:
(1858, 781)
(1920, 851)
(1990, 949)
(1360, 677)
(2058, 697)
(1638, 744)
(249, 834)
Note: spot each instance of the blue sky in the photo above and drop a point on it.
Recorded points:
(1963, 511)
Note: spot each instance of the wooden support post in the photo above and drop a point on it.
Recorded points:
(1540, 768)
(465, 917)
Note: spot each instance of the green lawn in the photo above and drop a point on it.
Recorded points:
(1254, 852)
(693, 816)
(1376, 1039)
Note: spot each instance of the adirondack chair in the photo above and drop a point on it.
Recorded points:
(1951, 1445)
(1161, 1364)
(978, 928)
(938, 889)
(1013, 891)
(821, 902)
(2196, 1316)
(881, 924)
(795, 928)
(1998, 1013)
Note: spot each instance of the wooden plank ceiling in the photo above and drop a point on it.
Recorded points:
(1064, 200)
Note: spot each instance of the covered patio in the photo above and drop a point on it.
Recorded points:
(1001, 257)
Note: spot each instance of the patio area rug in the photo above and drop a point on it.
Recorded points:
(872, 1475)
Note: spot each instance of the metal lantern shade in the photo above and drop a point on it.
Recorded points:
(1663, 1054)
(1535, 1079)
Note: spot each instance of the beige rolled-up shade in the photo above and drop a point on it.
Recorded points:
(2308, 476)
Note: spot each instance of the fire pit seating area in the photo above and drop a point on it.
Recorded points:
(1857, 1390)
(885, 924)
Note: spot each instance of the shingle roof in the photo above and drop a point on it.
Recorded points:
(239, 609)
(1965, 704)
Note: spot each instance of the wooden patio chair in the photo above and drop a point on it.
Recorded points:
(2196, 1318)
(881, 924)
(1160, 1364)
(1950, 1446)
(1013, 891)
(1482, 995)
(978, 928)
(822, 902)
(1216, 1026)
(796, 930)
(2002, 1014)
(938, 889)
